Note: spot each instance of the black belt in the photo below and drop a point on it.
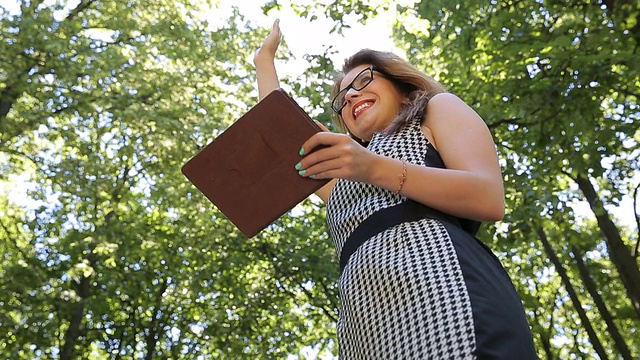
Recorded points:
(385, 219)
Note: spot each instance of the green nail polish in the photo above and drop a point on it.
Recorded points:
(302, 172)
(298, 166)
(313, 176)
(301, 151)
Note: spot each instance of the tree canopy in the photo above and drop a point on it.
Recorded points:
(108, 252)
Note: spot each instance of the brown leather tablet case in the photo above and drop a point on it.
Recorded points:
(249, 172)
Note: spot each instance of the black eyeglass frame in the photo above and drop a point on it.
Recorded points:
(344, 91)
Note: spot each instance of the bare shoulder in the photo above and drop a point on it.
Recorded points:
(460, 133)
(446, 113)
(450, 106)
(445, 97)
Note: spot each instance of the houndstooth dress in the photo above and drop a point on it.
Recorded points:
(419, 286)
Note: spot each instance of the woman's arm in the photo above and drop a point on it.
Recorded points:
(264, 60)
(471, 185)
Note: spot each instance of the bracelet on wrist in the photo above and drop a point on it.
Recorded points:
(403, 177)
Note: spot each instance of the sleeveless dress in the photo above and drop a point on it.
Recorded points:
(419, 286)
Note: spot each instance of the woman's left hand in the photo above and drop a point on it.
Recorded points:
(267, 52)
(339, 157)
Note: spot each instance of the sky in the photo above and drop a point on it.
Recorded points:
(304, 36)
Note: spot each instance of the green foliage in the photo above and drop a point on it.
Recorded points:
(120, 256)
(113, 254)
(557, 84)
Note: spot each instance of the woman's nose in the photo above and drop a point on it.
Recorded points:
(352, 94)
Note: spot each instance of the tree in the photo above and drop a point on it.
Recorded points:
(536, 72)
(121, 257)
(557, 84)
(113, 254)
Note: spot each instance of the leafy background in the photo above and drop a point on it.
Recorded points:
(112, 254)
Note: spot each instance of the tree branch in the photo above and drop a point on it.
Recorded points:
(152, 337)
(634, 252)
(81, 7)
(619, 252)
(511, 121)
(573, 295)
(77, 314)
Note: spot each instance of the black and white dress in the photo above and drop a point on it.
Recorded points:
(414, 284)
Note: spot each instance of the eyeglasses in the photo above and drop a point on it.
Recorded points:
(364, 78)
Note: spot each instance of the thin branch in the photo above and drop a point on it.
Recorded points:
(634, 252)
(28, 259)
(21, 154)
(629, 93)
(511, 121)
(326, 311)
(81, 7)
(284, 273)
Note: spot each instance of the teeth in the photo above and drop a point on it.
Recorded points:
(361, 107)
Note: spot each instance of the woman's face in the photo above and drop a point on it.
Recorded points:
(372, 108)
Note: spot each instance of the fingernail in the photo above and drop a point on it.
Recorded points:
(301, 151)
(302, 172)
(298, 166)
(313, 176)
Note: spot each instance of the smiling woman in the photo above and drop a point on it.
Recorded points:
(361, 80)
(355, 118)
(410, 183)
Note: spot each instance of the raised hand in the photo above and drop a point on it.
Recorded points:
(264, 60)
(267, 52)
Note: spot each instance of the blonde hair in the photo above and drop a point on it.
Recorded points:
(416, 86)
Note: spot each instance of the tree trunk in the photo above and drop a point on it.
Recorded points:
(152, 336)
(72, 333)
(602, 307)
(619, 253)
(595, 342)
(545, 339)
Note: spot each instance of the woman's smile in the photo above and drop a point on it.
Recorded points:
(361, 106)
(380, 99)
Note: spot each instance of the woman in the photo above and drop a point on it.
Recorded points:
(403, 211)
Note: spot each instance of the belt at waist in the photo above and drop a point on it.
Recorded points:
(387, 218)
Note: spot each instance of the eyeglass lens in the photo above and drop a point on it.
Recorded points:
(361, 80)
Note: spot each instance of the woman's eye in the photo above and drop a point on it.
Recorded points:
(364, 80)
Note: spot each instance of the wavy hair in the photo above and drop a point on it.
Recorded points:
(416, 86)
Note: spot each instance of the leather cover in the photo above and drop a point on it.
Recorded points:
(249, 172)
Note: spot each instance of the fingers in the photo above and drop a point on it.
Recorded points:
(321, 125)
(275, 28)
(329, 155)
(272, 41)
(322, 138)
(274, 37)
(267, 51)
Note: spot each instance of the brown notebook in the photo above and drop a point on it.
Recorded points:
(249, 172)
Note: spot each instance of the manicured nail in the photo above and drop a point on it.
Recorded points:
(301, 151)
(302, 172)
(298, 166)
(313, 176)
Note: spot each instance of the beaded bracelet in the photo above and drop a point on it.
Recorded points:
(403, 177)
